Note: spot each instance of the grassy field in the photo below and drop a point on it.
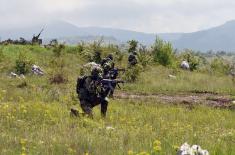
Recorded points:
(131, 126)
(35, 118)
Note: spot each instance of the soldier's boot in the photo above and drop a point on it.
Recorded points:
(104, 106)
(74, 112)
(87, 109)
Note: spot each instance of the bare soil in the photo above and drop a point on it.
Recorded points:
(190, 100)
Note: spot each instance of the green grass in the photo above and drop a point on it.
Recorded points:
(156, 80)
(36, 120)
(38, 128)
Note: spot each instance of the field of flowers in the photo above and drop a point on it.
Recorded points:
(131, 127)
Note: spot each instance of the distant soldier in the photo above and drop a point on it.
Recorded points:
(132, 60)
(107, 64)
(90, 92)
(109, 72)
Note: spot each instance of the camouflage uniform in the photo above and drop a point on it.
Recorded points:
(132, 60)
(108, 67)
(107, 64)
(90, 93)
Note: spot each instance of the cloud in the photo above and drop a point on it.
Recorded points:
(139, 15)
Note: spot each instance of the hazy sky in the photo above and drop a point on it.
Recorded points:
(140, 15)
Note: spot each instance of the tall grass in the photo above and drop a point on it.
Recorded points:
(39, 128)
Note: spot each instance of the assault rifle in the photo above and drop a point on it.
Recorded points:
(111, 83)
(113, 73)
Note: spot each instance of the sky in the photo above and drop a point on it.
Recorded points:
(150, 16)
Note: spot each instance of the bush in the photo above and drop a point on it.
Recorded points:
(191, 58)
(94, 53)
(118, 55)
(132, 73)
(96, 57)
(220, 66)
(163, 52)
(132, 46)
(58, 50)
(58, 74)
(144, 58)
(1, 54)
(23, 63)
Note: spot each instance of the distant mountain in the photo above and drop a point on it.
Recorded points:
(217, 38)
(69, 33)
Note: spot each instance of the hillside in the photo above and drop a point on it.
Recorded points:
(217, 38)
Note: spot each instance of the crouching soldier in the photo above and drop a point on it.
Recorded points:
(90, 92)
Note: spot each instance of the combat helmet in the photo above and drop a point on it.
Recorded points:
(96, 72)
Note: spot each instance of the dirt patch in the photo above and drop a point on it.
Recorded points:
(210, 99)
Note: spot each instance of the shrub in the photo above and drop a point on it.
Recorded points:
(96, 57)
(220, 66)
(163, 52)
(1, 54)
(144, 58)
(95, 50)
(58, 50)
(191, 58)
(132, 73)
(58, 74)
(23, 63)
(118, 55)
(132, 46)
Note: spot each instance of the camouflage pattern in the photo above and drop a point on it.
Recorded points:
(87, 68)
(132, 60)
(107, 64)
(90, 92)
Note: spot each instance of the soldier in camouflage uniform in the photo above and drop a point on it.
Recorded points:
(132, 60)
(108, 71)
(90, 92)
(107, 65)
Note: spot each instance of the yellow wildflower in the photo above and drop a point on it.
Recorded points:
(130, 152)
(156, 143)
(157, 148)
(23, 141)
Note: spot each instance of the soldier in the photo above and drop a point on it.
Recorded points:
(109, 71)
(107, 64)
(132, 60)
(90, 92)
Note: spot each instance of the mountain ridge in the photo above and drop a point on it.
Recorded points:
(217, 38)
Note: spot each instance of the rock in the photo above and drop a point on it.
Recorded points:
(22, 76)
(185, 65)
(185, 149)
(37, 70)
(172, 76)
(14, 75)
(109, 128)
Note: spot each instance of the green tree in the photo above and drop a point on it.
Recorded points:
(132, 46)
(163, 52)
(220, 66)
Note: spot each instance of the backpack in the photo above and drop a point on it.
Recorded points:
(80, 83)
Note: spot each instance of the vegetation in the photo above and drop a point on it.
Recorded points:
(131, 127)
(35, 111)
(163, 52)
